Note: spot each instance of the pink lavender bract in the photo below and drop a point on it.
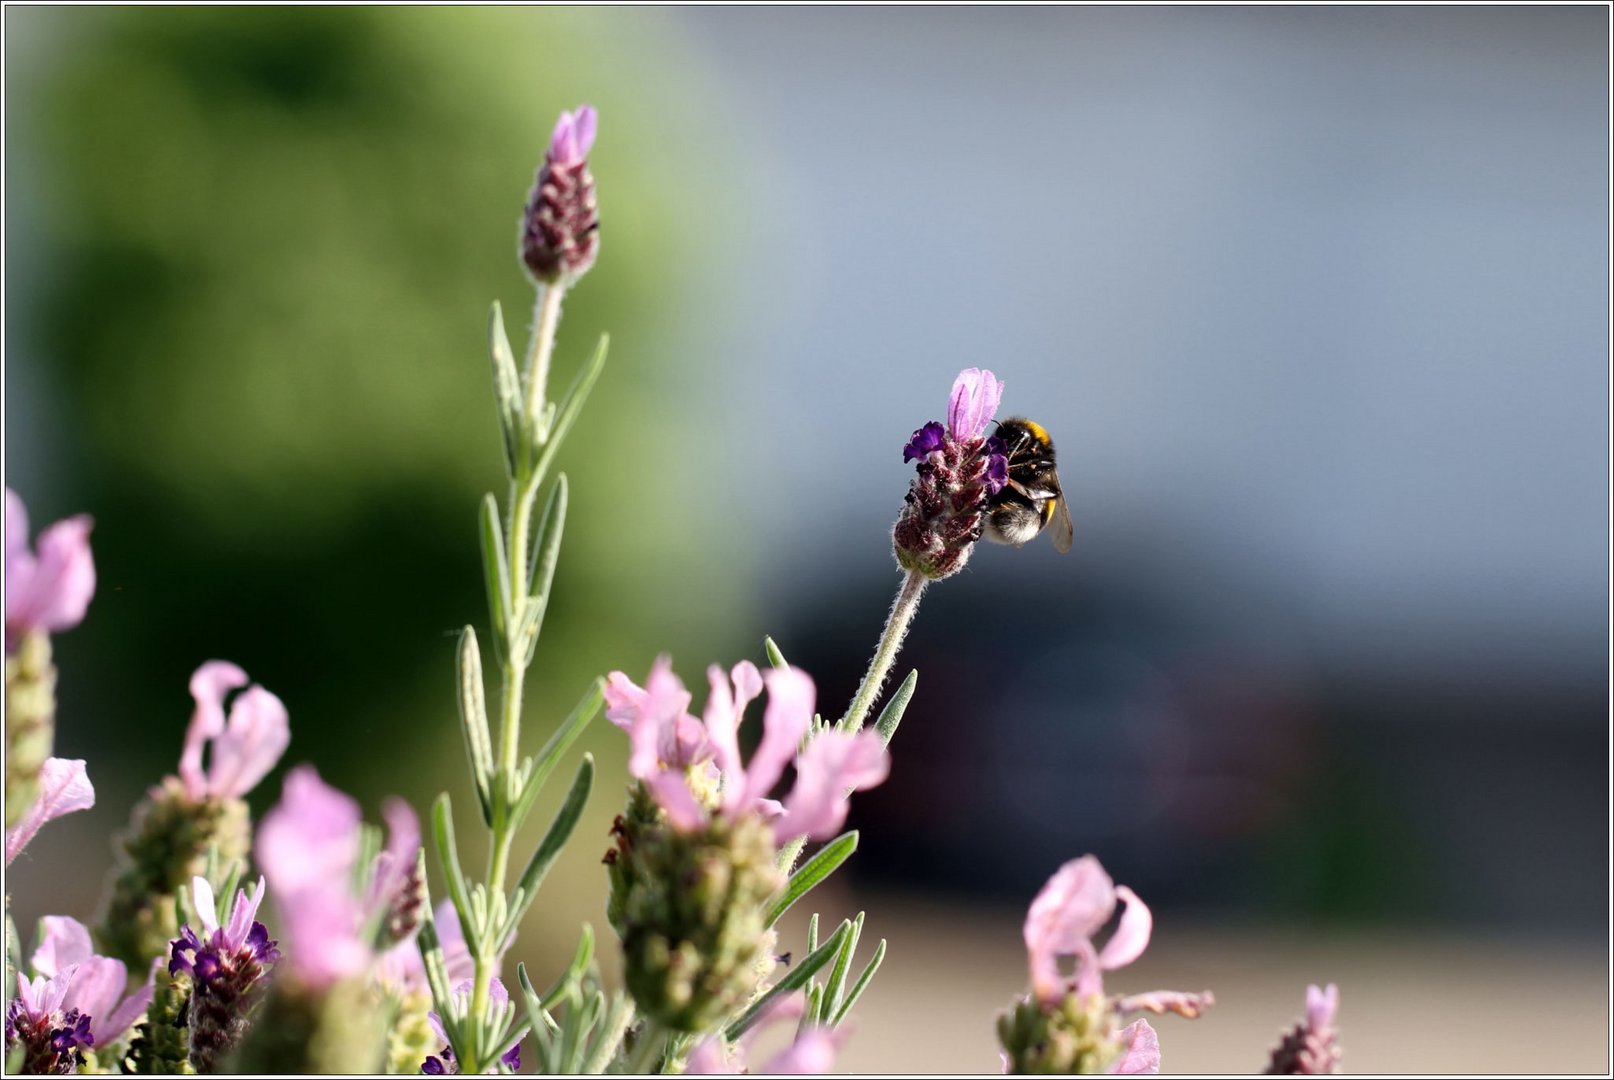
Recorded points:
(64, 787)
(245, 746)
(51, 590)
(1075, 904)
(1140, 1051)
(668, 745)
(307, 846)
(972, 404)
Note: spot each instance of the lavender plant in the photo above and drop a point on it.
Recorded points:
(362, 974)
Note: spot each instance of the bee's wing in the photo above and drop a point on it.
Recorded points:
(1064, 534)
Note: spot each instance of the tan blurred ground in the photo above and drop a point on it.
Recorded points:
(1409, 1002)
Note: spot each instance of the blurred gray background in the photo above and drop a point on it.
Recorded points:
(1314, 302)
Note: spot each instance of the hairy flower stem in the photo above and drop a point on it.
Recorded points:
(903, 609)
(546, 316)
(649, 1049)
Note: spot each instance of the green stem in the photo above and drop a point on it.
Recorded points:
(523, 498)
(546, 317)
(903, 609)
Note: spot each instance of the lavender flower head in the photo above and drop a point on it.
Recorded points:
(50, 590)
(560, 228)
(308, 846)
(245, 746)
(959, 468)
(1068, 1024)
(443, 1063)
(64, 787)
(53, 1036)
(1311, 1048)
(693, 767)
(95, 983)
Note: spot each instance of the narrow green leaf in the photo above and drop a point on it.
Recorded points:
(230, 883)
(506, 387)
(449, 857)
(571, 1030)
(560, 830)
(431, 953)
(541, 574)
(537, 1012)
(809, 1015)
(495, 568)
(812, 932)
(474, 719)
(558, 744)
(568, 408)
(861, 985)
(775, 657)
(798, 977)
(843, 962)
(812, 872)
(891, 715)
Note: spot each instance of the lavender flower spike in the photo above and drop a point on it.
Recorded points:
(63, 788)
(53, 1036)
(245, 747)
(560, 237)
(442, 1063)
(49, 591)
(1311, 1048)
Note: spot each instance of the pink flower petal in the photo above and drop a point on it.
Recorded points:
(832, 764)
(242, 913)
(310, 837)
(812, 1053)
(722, 722)
(64, 941)
(1321, 1005)
(1077, 901)
(708, 1059)
(1140, 1051)
(975, 397)
(53, 590)
(63, 788)
(1131, 936)
(790, 709)
(123, 1017)
(1160, 1002)
(16, 529)
(96, 987)
(257, 734)
(211, 682)
(623, 700)
(672, 794)
(207, 912)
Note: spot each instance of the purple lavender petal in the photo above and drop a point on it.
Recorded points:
(924, 442)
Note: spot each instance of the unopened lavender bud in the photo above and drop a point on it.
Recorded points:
(407, 908)
(30, 721)
(1311, 1048)
(560, 228)
(958, 470)
(410, 1038)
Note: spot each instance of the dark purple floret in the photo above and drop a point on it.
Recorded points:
(53, 1043)
(926, 441)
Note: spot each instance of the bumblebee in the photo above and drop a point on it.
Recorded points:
(1032, 499)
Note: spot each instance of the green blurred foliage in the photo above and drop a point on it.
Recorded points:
(270, 239)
